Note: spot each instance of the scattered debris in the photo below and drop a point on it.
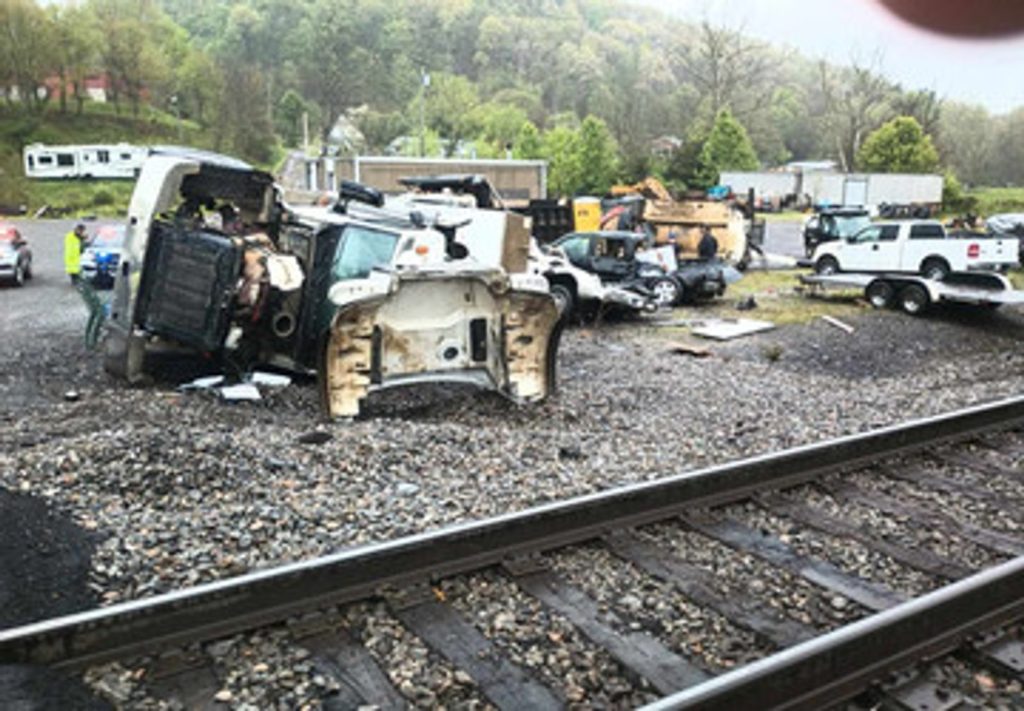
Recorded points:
(689, 349)
(270, 380)
(72, 396)
(240, 392)
(727, 329)
(747, 304)
(572, 452)
(314, 437)
(772, 352)
(837, 323)
(204, 383)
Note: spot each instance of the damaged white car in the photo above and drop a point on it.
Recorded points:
(366, 297)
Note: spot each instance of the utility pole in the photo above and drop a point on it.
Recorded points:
(177, 114)
(305, 133)
(424, 83)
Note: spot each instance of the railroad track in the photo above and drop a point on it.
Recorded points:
(964, 597)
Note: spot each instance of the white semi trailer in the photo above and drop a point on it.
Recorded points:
(890, 194)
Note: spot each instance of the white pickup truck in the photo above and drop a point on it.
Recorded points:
(915, 246)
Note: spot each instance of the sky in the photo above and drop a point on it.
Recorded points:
(987, 72)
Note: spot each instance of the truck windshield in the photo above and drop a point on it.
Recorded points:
(360, 251)
(849, 225)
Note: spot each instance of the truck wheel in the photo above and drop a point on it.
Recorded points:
(914, 299)
(935, 268)
(564, 301)
(879, 293)
(826, 265)
(19, 275)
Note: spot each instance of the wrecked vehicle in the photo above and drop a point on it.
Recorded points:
(831, 224)
(472, 203)
(627, 260)
(365, 297)
(578, 292)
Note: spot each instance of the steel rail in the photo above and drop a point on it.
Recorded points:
(824, 671)
(262, 597)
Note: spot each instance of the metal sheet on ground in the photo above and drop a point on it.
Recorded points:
(728, 329)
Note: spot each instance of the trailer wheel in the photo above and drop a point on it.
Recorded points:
(826, 265)
(879, 293)
(913, 299)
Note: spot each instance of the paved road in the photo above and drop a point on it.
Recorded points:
(47, 302)
(784, 238)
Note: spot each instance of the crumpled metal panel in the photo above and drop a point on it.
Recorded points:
(452, 328)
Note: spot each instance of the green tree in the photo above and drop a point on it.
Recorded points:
(562, 150)
(727, 148)
(450, 104)
(380, 129)
(76, 37)
(899, 146)
(598, 157)
(528, 144)
(26, 39)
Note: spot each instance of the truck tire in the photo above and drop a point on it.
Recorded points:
(914, 299)
(565, 302)
(826, 265)
(935, 268)
(879, 293)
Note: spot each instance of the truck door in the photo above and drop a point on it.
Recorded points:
(855, 191)
(873, 249)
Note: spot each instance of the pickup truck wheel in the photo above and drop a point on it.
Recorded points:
(826, 265)
(935, 268)
(913, 299)
(564, 301)
(666, 291)
(879, 293)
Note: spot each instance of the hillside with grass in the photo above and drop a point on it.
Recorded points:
(98, 123)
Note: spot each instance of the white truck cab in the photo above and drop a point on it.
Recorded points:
(914, 246)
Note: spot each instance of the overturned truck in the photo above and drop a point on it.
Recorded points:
(364, 297)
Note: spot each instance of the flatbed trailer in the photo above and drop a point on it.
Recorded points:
(914, 294)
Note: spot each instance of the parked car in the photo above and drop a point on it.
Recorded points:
(620, 258)
(102, 255)
(15, 256)
(916, 246)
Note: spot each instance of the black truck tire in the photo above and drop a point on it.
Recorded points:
(826, 265)
(935, 268)
(914, 299)
(879, 293)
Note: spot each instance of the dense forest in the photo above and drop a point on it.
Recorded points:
(519, 76)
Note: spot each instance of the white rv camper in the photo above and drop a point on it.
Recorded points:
(108, 161)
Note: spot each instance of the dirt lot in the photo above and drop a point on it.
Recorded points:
(133, 492)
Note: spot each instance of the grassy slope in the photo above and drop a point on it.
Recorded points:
(98, 124)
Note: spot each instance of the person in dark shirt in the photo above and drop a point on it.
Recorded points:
(707, 248)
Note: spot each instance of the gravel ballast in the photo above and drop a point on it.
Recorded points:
(176, 489)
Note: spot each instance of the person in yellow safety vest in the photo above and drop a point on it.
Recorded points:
(73, 242)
